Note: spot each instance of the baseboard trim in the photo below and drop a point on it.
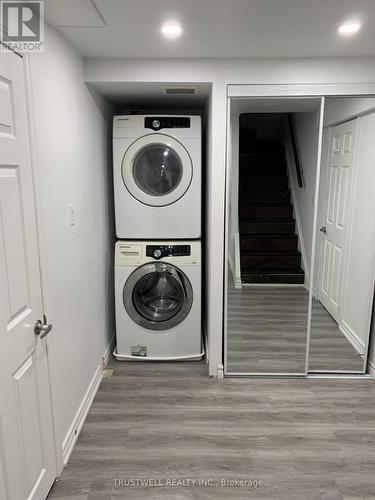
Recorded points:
(371, 369)
(108, 352)
(237, 282)
(352, 338)
(78, 421)
(80, 417)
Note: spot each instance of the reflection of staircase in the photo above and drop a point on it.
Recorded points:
(268, 241)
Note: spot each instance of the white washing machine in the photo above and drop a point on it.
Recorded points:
(157, 176)
(158, 300)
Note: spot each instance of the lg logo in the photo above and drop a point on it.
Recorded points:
(22, 25)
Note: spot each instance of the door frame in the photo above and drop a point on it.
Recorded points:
(59, 461)
(284, 90)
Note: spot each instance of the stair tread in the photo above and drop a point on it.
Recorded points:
(272, 192)
(258, 167)
(275, 279)
(273, 200)
(259, 201)
(265, 204)
(270, 180)
(269, 184)
(268, 278)
(262, 171)
(248, 271)
(266, 177)
(263, 219)
(268, 236)
(272, 252)
(270, 153)
(269, 192)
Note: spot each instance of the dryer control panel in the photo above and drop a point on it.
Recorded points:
(159, 122)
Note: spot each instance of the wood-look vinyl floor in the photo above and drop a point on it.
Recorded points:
(266, 333)
(329, 348)
(306, 439)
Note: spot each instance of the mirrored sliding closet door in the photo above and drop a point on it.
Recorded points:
(345, 240)
(301, 235)
(274, 152)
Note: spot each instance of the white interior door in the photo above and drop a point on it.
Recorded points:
(27, 456)
(334, 231)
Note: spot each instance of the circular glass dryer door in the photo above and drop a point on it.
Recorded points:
(157, 170)
(158, 296)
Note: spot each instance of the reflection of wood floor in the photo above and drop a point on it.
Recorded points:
(329, 348)
(267, 333)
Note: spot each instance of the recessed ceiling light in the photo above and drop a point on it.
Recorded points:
(171, 30)
(350, 28)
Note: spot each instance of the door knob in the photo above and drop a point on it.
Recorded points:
(323, 229)
(42, 328)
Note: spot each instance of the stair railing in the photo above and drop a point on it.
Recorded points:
(297, 158)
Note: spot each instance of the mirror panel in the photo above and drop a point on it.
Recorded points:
(277, 276)
(270, 231)
(345, 244)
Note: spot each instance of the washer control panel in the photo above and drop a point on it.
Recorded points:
(178, 253)
(160, 251)
(159, 122)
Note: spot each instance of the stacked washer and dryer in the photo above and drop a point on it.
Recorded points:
(157, 175)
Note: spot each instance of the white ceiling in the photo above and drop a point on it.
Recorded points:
(214, 28)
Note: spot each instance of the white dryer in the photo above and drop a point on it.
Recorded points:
(157, 172)
(158, 300)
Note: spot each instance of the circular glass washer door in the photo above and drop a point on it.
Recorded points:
(158, 296)
(157, 170)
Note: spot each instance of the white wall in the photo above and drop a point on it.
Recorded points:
(222, 72)
(343, 109)
(307, 135)
(71, 160)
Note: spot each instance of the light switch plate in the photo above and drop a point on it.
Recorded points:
(72, 214)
